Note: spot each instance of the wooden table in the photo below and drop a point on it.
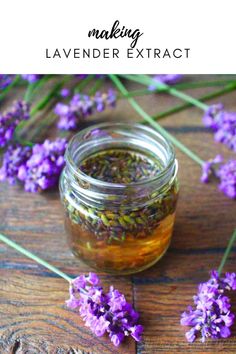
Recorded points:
(33, 315)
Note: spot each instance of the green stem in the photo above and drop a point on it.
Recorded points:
(41, 82)
(227, 251)
(9, 87)
(42, 104)
(29, 91)
(48, 120)
(142, 92)
(98, 83)
(145, 80)
(181, 107)
(83, 83)
(202, 84)
(39, 106)
(35, 258)
(154, 124)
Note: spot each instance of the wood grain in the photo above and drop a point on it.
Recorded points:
(33, 315)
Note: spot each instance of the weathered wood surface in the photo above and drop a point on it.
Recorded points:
(33, 316)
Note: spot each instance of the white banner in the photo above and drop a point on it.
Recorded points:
(68, 37)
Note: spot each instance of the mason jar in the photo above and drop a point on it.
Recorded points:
(119, 190)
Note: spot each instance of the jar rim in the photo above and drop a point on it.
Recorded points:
(171, 163)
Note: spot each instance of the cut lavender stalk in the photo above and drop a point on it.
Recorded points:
(227, 172)
(10, 119)
(105, 313)
(42, 170)
(5, 81)
(211, 316)
(168, 79)
(82, 106)
(31, 78)
(223, 123)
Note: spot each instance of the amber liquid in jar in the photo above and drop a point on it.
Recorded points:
(124, 238)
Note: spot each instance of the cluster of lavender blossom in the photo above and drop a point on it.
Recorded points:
(211, 316)
(223, 124)
(169, 79)
(226, 173)
(37, 167)
(10, 119)
(81, 106)
(5, 81)
(31, 78)
(104, 312)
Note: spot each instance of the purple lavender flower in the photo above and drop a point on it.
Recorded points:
(207, 168)
(223, 124)
(211, 316)
(81, 76)
(65, 92)
(42, 170)
(168, 79)
(31, 78)
(104, 312)
(213, 116)
(5, 80)
(10, 119)
(82, 106)
(227, 175)
(13, 159)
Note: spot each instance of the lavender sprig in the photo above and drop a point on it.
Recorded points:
(211, 316)
(82, 106)
(10, 119)
(223, 123)
(5, 81)
(227, 174)
(37, 167)
(169, 79)
(42, 169)
(103, 312)
(13, 158)
(31, 78)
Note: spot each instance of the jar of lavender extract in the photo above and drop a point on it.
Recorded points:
(119, 190)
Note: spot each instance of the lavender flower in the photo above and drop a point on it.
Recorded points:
(226, 173)
(5, 80)
(81, 76)
(223, 123)
(31, 78)
(104, 312)
(82, 106)
(42, 170)
(211, 316)
(207, 168)
(65, 92)
(13, 159)
(10, 119)
(168, 79)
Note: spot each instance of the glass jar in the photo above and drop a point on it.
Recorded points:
(119, 190)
